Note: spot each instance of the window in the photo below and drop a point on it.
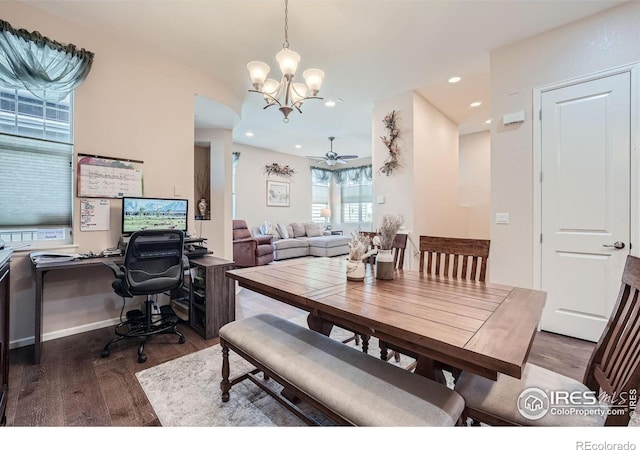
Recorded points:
(357, 205)
(319, 199)
(36, 154)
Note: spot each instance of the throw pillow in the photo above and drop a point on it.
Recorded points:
(298, 230)
(282, 231)
(269, 229)
(312, 229)
(264, 228)
(290, 231)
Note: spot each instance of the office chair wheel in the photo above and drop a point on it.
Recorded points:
(105, 353)
(182, 340)
(142, 358)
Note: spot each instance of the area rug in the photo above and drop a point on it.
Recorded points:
(186, 391)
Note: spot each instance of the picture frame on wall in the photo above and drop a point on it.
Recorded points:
(277, 193)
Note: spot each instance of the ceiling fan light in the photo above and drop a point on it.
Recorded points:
(258, 72)
(330, 162)
(288, 60)
(313, 78)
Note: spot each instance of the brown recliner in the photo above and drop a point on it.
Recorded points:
(249, 251)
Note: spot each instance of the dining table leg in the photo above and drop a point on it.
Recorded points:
(427, 368)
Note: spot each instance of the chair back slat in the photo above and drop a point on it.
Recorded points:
(456, 253)
(614, 366)
(398, 248)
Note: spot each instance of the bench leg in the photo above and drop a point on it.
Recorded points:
(225, 385)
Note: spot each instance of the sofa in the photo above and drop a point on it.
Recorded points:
(295, 240)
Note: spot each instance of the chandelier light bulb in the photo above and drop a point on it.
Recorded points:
(313, 78)
(288, 60)
(258, 72)
(299, 92)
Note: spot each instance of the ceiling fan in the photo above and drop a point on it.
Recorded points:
(331, 158)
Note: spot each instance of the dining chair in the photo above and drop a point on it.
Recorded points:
(398, 249)
(446, 257)
(613, 372)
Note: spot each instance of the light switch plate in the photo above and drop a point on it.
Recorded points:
(502, 218)
(380, 199)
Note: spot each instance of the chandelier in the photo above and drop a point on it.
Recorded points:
(286, 94)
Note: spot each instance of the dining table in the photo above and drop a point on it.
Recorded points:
(472, 325)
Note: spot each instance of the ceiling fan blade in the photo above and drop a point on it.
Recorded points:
(341, 161)
(348, 156)
(318, 158)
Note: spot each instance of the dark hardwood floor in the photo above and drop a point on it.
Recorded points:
(74, 386)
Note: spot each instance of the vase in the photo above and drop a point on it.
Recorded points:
(384, 265)
(355, 270)
(202, 206)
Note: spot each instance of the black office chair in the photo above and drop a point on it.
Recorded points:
(153, 263)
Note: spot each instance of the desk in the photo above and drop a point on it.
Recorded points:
(40, 270)
(477, 326)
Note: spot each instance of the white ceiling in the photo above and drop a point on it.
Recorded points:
(369, 50)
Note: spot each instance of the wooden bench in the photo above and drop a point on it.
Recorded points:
(345, 384)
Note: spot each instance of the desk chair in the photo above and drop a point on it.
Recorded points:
(614, 369)
(153, 263)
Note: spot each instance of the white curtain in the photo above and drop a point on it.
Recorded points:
(46, 68)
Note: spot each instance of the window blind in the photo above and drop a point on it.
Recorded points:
(35, 181)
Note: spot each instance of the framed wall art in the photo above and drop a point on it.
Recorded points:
(277, 193)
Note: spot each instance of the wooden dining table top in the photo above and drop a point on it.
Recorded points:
(482, 327)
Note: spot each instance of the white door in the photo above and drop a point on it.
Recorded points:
(585, 196)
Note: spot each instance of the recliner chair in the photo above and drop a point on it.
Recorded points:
(249, 251)
(153, 263)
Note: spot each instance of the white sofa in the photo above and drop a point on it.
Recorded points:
(302, 239)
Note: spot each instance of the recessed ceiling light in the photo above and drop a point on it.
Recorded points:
(454, 79)
(249, 134)
(487, 121)
(298, 146)
(475, 104)
(330, 103)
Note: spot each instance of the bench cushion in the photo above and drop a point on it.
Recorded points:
(364, 389)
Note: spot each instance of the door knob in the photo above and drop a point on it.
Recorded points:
(619, 245)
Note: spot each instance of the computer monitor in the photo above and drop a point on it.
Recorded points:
(140, 213)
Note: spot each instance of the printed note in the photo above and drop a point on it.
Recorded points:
(94, 214)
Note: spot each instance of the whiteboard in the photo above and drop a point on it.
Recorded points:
(108, 177)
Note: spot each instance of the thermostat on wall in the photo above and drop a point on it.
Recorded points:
(516, 117)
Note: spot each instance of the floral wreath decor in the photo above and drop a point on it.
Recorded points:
(277, 169)
(389, 141)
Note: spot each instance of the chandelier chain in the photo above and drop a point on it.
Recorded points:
(286, 24)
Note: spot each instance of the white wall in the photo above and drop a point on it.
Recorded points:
(251, 187)
(475, 182)
(425, 187)
(132, 105)
(602, 41)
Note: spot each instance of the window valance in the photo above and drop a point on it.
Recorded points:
(46, 68)
(341, 176)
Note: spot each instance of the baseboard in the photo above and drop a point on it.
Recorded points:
(64, 333)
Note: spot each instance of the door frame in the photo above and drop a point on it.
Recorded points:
(634, 163)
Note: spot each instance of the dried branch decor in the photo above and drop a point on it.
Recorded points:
(277, 169)
(389, 141)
